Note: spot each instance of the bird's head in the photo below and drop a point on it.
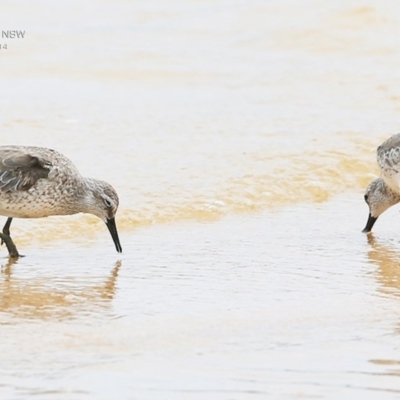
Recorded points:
(102, 200)
(379, 198)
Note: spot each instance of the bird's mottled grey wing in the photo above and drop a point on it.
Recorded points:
(392, 142)
(388, 153)
(388, 157)
(20, 170)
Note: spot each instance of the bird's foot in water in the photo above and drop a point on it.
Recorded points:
(12, 249)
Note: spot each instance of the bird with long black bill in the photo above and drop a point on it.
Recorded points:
(37, 182)
(384, 192)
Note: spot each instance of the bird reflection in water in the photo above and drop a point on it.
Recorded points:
(388, 261)
(387, 258)
(53, 297)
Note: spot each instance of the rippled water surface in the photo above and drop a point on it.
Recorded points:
(240, 137)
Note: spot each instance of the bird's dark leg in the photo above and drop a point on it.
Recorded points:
(12, 249)
(6, 238)
(6, 229)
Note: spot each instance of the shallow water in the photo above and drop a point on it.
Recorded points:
(240, 138)
(289, 304)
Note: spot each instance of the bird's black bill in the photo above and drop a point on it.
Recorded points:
(370, 223)
(114, 233)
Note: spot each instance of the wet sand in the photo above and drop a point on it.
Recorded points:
(292, 303)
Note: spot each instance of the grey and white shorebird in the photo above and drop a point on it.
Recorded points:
(37, 182)
(384, 192)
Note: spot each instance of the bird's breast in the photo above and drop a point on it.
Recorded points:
(44, 199)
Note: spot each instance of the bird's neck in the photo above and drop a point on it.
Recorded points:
(389, 192)
(88, 195)
(91, 184)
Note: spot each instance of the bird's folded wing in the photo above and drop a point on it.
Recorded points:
(388, 153)
(20, 170)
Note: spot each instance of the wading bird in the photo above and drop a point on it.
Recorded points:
(36, 182)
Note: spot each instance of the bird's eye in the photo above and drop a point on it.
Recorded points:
(366, 198)
(108, 203)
